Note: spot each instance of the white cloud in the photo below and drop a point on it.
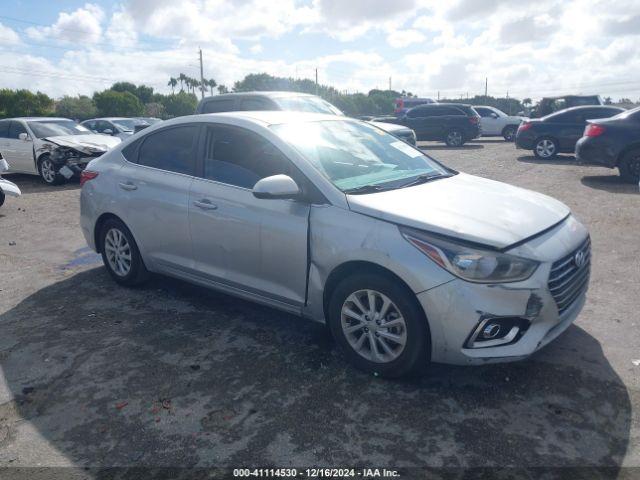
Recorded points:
(82, 25)
(257, 48)
(8, 36)
(404, 38)
(121, 29)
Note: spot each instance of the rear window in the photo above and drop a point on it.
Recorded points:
(468, 111)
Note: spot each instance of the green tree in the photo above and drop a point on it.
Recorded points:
(77, 108)
(23, 103)
(154, 109)
(211, 83)
(111, 103)
(222, 89)
(182, 103)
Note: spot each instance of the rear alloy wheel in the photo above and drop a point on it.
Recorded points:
(454, 138)
(120, 254)
(629, 166)
(545, 148)
(48, 171)
(379, 325)
(509, 133)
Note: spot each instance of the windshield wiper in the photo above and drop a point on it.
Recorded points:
(424, 178)
(365, 189)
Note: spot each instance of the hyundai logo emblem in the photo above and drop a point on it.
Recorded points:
(579, 259)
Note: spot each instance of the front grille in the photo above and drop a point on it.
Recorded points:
(567, 280)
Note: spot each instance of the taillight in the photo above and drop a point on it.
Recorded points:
(525, 126)
(474, 120)
(593, 130)
(87, 175)
(399, 105)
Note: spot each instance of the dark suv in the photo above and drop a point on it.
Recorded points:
(452, 123)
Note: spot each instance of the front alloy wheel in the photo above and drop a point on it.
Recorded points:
(373, 326)
(48, 171)
(379, 325)
(545, 148)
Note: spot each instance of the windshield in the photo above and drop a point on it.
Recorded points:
(354, 155)
(307, 104)
(54, 128)
(127, 124)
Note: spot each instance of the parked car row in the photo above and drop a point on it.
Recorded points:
(598, 135)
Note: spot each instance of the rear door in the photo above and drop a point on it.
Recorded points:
(155, 183)
(19, 152)
(239, 241)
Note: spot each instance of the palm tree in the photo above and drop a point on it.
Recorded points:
(211, 83)
(182, 78)
(222, 89)
(172, 83)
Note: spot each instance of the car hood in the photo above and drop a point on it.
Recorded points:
(466, 207)
(85, 143)
(389, 127)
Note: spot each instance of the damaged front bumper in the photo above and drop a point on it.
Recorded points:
(460, 312)
(70, 162)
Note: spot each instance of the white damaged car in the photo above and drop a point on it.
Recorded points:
(54, 148)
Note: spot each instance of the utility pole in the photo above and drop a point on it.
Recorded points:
(201, 76)
(389, 83)
(316, 81)
(438, 95)
(486, 84)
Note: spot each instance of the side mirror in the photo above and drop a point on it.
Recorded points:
(23, 136)
(107, 131)
(4, 166)
(494, 115)
(276, 187)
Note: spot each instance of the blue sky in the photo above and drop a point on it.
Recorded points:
(541, 48)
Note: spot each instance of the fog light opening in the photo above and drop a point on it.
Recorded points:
(491, 332)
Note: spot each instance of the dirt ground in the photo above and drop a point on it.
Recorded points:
(95, 375)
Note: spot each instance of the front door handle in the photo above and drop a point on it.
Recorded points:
(205, 204)
(128, 186)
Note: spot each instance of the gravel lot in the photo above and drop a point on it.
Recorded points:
(94, 375)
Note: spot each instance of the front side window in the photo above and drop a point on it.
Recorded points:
(240, 158)
(171, 149)
(55, 128)
(216, 106)
(484, 112)
(357, 157)
(4, 128)
(15, 129)
(126, 124)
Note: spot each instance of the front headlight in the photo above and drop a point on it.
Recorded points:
(471, 263)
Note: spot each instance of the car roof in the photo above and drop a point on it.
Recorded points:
(109, 118)
(590, 107)
(269, 117)
(269, 94)
(37, 119)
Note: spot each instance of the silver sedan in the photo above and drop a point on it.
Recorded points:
(336, 220)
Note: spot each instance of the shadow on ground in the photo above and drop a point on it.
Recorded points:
(175, 375)
(610, 183)
(558, 160)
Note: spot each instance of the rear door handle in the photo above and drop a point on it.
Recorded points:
(205, 204)
(128, 186)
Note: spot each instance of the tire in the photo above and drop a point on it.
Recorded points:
(2, 197)
(454, 138)
(545, 148)
(629, 166)
(114, 235)
(509, 133)
(411, 327)
(47, 171)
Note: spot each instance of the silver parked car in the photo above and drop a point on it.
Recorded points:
(336, 220)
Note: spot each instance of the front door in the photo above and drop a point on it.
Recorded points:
(255, 245)
(19, 152)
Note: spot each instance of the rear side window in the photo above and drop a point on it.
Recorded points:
(240, 158)
(468, 111)
(15, 129)
(4, 128)
(422, 112)
(171, 149)
(256, 104)
(222, 105)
